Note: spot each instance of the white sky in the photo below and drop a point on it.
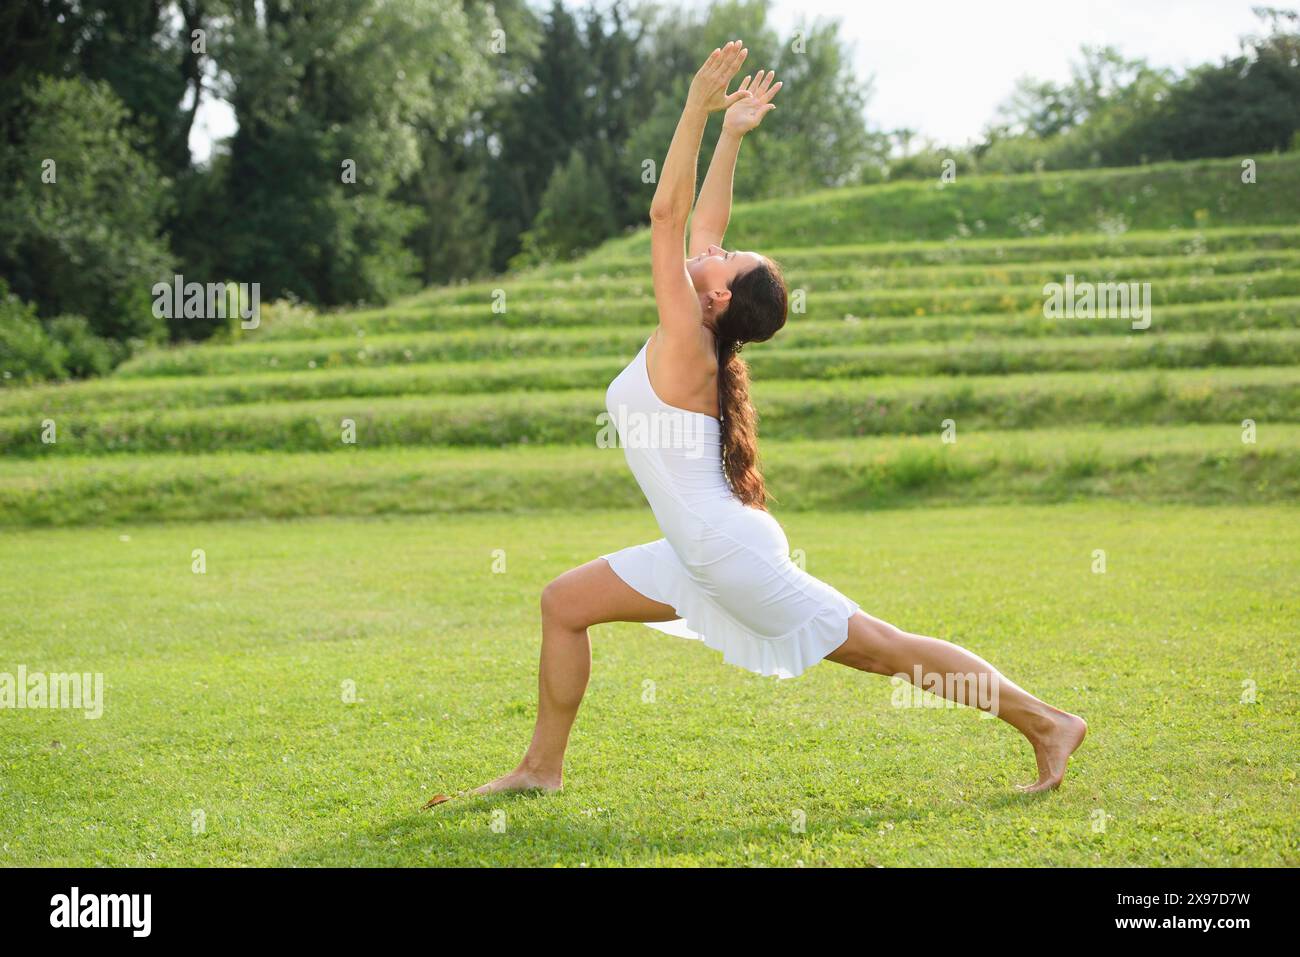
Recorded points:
(942, 67)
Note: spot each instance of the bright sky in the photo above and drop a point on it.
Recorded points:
(942, 67)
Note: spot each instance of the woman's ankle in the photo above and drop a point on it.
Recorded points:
(1039, 721)
(536, 768)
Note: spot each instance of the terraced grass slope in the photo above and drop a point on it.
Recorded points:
(919, 364)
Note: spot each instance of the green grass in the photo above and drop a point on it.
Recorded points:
(617, 259)
(387, 351)
(789, 409)
(544, 374)
(1205, 464)
(223, 694)
(1201, 194)
(836, 269)
(558, 311)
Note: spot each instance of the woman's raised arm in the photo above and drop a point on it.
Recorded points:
(679, 309)
(713, 208)
(675, 193)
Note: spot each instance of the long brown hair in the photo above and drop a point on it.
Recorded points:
(755, 313)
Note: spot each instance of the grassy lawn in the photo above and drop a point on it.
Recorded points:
(224, 693)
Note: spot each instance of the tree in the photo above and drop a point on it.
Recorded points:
(143, 51)
(1246, 104)
(538, 127)
(459, 185)
(84, 208)
(331, 98)
(455, 238)
(1116, 111)
(577, 213)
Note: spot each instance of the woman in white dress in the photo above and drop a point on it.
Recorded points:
(722, 571)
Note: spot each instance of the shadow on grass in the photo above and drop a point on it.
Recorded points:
(457, 834)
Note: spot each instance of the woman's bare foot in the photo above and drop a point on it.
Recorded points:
(522, 779)
(1052, 749)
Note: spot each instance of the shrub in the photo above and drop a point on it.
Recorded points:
(27, 353)
(86, 353)
(289, 316)
(32, 351)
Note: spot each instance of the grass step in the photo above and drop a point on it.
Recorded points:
(972, 357)
(527, 311)
(814, 274)
(613, 261)
(1205, 194)
(577, 342)
(1199, 463)
(789, 409)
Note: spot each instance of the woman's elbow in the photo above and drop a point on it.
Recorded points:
(662, 214)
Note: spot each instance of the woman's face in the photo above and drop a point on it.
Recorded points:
(713, 270)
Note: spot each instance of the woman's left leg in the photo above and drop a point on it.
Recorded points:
(955, 673)
(590, 594)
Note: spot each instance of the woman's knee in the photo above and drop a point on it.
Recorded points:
(560, 603)
(873, 645)
(552, 599)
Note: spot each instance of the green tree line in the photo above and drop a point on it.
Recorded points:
(385, 145)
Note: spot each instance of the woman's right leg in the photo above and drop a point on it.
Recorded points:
(590, 594)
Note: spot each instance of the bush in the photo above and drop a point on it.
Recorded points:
(86, 353)
(27, 353)
(288, 317)
(65, 347)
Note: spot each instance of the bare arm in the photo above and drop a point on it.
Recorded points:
(679, 308)
(713, 208)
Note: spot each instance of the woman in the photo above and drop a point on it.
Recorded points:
(722, 572)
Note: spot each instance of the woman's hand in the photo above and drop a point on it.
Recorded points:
(709, 88)
(747, 112)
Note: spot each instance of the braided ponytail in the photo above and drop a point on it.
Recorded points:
(755, 312)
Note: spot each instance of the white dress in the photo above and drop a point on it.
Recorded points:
(723, 566)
